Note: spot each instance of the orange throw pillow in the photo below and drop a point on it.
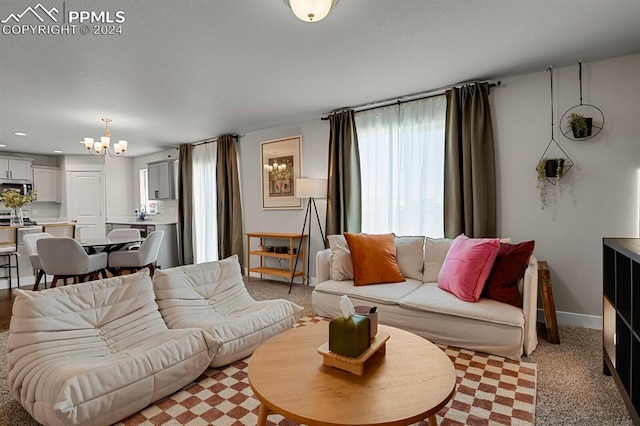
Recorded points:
(374, 258)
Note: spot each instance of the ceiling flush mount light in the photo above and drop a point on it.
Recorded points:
(20, 134)
(311, 10)
(101, 148)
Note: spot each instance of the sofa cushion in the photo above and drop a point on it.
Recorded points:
(467, 266)
(436, 250)
(429, 297)
(509, 267)
(340, 265)
(410, 256)
(97, 352)
(212, 296)
(378, 293)
(374, 258)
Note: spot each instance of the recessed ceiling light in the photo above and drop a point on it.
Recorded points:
(20, 134)
(2, 146)
(57, 151)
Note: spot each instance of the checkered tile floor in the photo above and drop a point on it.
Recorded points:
(490, 391)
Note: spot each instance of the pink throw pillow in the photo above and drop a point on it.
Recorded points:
(467, 266)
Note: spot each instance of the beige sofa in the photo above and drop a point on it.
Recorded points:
(420, 306)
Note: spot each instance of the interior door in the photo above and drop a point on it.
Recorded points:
(86, 203)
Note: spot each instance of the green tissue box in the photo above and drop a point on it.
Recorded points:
(349, 337)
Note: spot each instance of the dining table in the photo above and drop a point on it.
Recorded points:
(106, 244)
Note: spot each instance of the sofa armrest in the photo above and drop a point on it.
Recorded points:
(530, 305)
(323, 265)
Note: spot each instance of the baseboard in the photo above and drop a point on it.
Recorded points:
(312, 282)
(575, 320)
(24, 281)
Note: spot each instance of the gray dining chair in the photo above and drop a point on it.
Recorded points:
(126, 233)
(144, 257)
(29, 241)
(65, 258)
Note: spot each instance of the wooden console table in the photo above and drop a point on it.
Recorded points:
(292, 240)
(549, 306)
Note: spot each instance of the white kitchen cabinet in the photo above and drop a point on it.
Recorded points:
(162, 180)
(15, 168)
(46, 180)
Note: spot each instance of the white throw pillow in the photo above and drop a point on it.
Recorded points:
(341, 266)
(410, 256)
(434, 255)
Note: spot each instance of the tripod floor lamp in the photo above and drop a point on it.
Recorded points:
(311, 189)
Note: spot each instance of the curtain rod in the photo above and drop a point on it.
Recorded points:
(205, 141)
(402, 99)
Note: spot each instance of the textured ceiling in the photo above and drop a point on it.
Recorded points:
(183, 71)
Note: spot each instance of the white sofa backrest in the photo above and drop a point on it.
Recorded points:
(204, 281)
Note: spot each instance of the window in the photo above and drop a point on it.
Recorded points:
(151, 206)
(205, 222)
(402, 167)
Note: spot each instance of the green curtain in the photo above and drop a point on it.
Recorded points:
(185, 204)
(230, 237)
(344, 192)
(469, 170)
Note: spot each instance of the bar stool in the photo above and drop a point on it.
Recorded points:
(9, 251)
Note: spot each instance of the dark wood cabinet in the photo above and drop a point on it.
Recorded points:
(621, 317)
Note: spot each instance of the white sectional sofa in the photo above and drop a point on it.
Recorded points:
(212, 296)
(97, 352)
(420, 306)
(94, 353)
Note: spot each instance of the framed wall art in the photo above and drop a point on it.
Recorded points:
(280, 162)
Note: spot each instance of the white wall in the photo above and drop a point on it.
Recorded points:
(597, 198)
(119, 187)
(315, 144)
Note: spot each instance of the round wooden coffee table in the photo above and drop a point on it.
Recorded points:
(410, 383)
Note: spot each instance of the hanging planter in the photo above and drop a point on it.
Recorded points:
(553, 167)
(580, 125)
(554, 163)
(582, 121)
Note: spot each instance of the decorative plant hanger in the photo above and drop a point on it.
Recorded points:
(554, 162)
(584, 121)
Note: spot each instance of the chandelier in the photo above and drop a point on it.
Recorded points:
(103, 147)
(311, 10)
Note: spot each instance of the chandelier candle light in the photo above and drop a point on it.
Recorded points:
(101, 148)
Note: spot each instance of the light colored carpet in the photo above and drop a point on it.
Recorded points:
(488, 387)
(571, 388)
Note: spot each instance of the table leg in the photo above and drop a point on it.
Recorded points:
(549, 307)
(433, 421)
(263, 412)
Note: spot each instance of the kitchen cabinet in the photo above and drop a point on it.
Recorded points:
(46, 180)
(162, 180)
(15, 168)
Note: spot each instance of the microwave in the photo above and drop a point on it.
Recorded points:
(22, 188)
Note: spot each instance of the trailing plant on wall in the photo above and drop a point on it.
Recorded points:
(548, 168)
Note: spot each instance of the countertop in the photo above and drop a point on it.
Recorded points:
(153, 221)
